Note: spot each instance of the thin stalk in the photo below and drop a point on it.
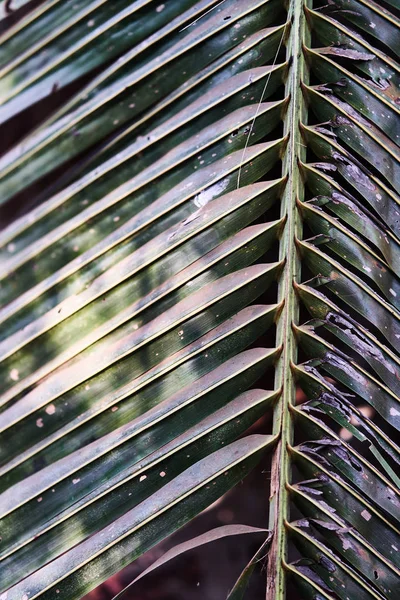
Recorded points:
(279, 497)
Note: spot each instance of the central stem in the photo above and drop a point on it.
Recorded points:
(279, 500)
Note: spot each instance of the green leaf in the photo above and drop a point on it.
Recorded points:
(140, 528)
(199, 200)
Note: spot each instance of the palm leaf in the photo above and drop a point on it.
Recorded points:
(192, 176)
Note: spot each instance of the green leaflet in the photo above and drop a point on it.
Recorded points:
(372, 189)
(202, 202)
(382, 360)
(46, 53)
(172, 260)
(353, 213)
(126, 93)
(128, 482)
(371, 17)
(194, 488)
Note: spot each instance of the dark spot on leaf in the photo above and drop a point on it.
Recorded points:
(383, 84)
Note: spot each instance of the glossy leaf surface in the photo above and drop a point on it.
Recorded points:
(201, 241)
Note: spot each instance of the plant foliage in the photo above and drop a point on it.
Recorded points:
(165, 164)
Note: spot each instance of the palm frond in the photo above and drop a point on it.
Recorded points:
(178, 160)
